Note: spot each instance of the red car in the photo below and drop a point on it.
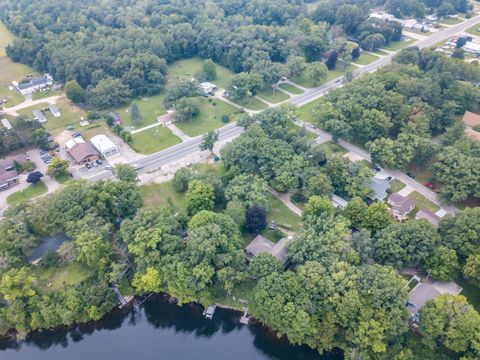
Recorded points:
(429, 185)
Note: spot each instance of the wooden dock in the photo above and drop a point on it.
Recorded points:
(244, 319)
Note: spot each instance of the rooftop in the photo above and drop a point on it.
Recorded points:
(403, 205)
(260, 244)
(82, 151)
(428, 215)
(471, 119)
(379, 188)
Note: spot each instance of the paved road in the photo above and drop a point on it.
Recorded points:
(315, 93)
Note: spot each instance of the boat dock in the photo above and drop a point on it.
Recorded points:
(245, 318)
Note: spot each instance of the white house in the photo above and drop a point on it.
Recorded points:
(208, 88)
(104, 145)
(39, 116)
(6, 124)
(32, 85)
(54, 110)
(471, 47)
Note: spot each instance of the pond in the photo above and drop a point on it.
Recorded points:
(50, 243)
(159, 330)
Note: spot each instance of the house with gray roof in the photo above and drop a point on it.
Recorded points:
(379, 188)
(261, 244)
(401, 206)
(31, 85)
(428, 215)
(39, 116)
(54, 110)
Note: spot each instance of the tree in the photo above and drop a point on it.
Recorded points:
(184, 88)
(442, 264)
(186, 109)
(34, 177)
(471, 269)
(40, 138)
(332, 60)
(108, 92)
(74, 91)
(362, 242)
(209, 71)
(356, 211)
(256, 219)
(239, 87)
(317, 72)
(377, 217)
(236, 210)
(451, 321)
(356, 53)
(296, 65)
(249, 189)
(92, 248)
(181, 179)
(17, 284)
(57, 167)
(349, 16)
(148, 282)
(458, 54)
(199, 196)
(209, 140)
(373, 42)
(125, 172)
(135, 113)
(264, 264)
(317, 183)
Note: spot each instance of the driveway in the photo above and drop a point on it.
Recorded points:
(49, 100)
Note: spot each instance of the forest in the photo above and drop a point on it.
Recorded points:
(341, 290)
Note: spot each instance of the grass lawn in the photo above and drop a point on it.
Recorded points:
(422, 202)
(330, 148)
(470, 291)
(451, 21)
(380, 52)
(71, 114)
(291, 89)
(474, 30)
(251, 103)
(72, 274)
(210, 117)
(192, 67)
(282, 215)
(332, 74)
(273, 96)
(397, 45)
(396, 185)
(243, 291)
(150, 108)
(153, 140)
(6, 38)
(155, 195)
(13, 97)
(366, 58)
(63, 179)
(306, 112)
(27, 194)
(37, 95)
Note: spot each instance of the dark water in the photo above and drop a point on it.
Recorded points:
(50, 243)
(159, 330)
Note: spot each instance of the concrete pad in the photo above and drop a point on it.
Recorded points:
(353, 157)
(441, 213)
(407, 190)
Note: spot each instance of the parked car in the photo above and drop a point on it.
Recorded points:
(429, 185)
(76, 134)
(94, 164)
(377, 168)
(88, 166)
(409, 174)
(99, 162)
(108, 168)
(388, 178)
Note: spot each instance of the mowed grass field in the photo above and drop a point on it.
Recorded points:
(273, 97)
(291, 89)
(397, 45)
(339, 70)
(210, 117)
(27, 194)
(153, 140)
(366, 58)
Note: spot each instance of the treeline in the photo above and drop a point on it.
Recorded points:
(398, 110)
(419, 8)
(23, 134)
(118, 50)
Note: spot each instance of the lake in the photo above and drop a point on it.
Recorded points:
(159, 330)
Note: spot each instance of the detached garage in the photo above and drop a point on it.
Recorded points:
(104, 145)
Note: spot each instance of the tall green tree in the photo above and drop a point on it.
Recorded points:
(199, 196)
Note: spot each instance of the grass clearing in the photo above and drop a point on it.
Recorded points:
(474, 30)
(11, 96)
(56, 279)
(396, 185)
(422, 202)
(331, 148)
(243, 291)
(282, 215)
(63, 178)
(397, 45)
(27, 194)
(331, 75)
(250, 103)
(307, 111)
(210, 116)
(192, 68)
(366, 58)
(37, 95)
(380, 52)
(150, 108)
(155, 195)
(470, 291)
(273, 97)
(153, 140)
(291, 89)
(451, 21)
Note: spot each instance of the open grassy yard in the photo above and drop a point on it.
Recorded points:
(423, 202)
(332, 74)
(366, 58)
(27, 194)
(282, 215)
(251, 103)
(331, 148)
(396, 185)
(397, 45)
(155, 195)
(273, 96)
(192, 67)
(6, 38)
(70, 115)
(44, 94)
(291, 89)
(13, 97)
(153, 140)
(210, 117)
(474, 30)
(380, 52)
(150, 108)
(55, 279)
(63, 179)
(451, 21)
(306, 112)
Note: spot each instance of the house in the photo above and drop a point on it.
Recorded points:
(32, 85)
(472, 123)
(401, 206)
(81, 151)
(168, 118)
(428, 215)
(6, 124)
(54, 110)
(337, 201)
(260, 244)
(117, 120)
(8, 174)
(39, 116)
(427, 290)
(104, 145)
(472, 47)
(383, 16)
(379, 188)
(208, 88)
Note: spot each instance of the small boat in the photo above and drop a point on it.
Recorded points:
(209, 312)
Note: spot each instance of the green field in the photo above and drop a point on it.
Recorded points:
(44, 94)
(250, 103)
(331, 148)
(192, 68)
(291, 89)
(273, 97)
(13, 97)
(380, 52)
(474, 30)
(155, 195)
(331, 75)
(451, 21)
(153, 140)
(209, 118)
(397, 45)
(396, 185)
(306, 112)
(366, 58)
(150, 108)
(70, 115)
(27, 194)
(423, 202)
(282, 215)
(72, 274)
(63, 179)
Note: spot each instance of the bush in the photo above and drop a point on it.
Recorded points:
(28, 166)
(181, 179)
(298, 197)
(34, 177)
(225, 119)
